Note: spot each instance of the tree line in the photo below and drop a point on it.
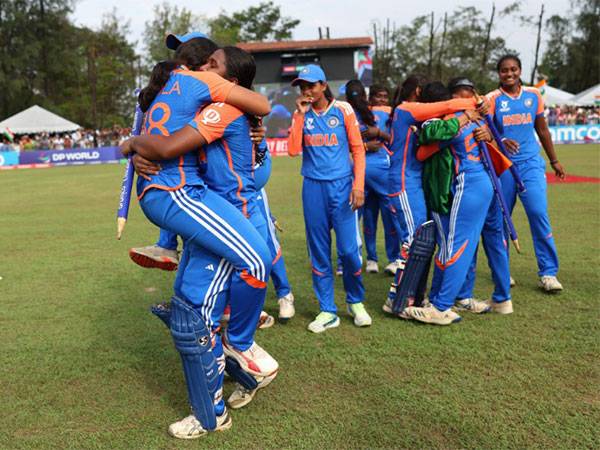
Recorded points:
(89, 75)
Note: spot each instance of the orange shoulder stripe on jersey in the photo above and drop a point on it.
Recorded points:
(536, 91)
(213, 120)
(295, 136)
(386, 109)
(218, 86)
(239, 180)
(167, 188)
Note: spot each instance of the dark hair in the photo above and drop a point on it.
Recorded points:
(460, 82)
(435, 91)
(507, 57)
(193, 54)
(405, 90)
(357, 97)
(328, 94)
(376, 89)
(240, 65)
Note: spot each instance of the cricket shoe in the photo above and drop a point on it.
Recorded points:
(360, 314)
(155, 257)
(256, 361)
(191, 428)
(339, 271)
(388, 308)
(324, 321)
(391, 268)
(372, 266)
(472, 305)
(265, 320)
(550, 284)
(241, 396)
(286, 308)
(430, 314)
(513, 283)
(505, 307)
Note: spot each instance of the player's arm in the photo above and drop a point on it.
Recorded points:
(296, 131)
(225, 91)
(357, 149)
(424, 111)
(157, 147)
(541, 128)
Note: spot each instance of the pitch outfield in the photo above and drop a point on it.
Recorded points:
(85, 365)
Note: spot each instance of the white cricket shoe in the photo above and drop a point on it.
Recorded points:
(372, 266)
(550, 283)
(391, 268)
(324, 321)
(360, 314)
(241, 396)
(286, 307)
(472, 305)
(339, 271)
(430, 314)
(504, 307)
(256, 361)
(387, 306)
(265, 320)
(190, 428)
(513, 283)
(155, 257)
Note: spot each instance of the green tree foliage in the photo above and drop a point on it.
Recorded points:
(572, 57)
(86, 75)
(256, 23)
(167, 19)
(460, 43)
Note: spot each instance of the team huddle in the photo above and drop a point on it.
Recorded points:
(431, 164)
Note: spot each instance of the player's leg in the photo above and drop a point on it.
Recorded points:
(535, 202)
(347, 233)
(278, 272)
(317, 222)
(162, 255)
(392, 243)
(370, 211)
(473, 194)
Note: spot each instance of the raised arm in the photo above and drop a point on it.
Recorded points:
(425, 111)
(248, 101)
(156, 147)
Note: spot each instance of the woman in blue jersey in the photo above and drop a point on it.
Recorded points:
(326, 132)
(519, 116)
(220, 243)
(375, 132)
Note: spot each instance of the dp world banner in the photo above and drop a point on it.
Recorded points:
(575, 134)
(75, 156)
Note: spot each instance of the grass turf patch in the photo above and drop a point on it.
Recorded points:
(85, 365)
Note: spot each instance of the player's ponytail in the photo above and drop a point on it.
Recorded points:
(158, 78)
(357, 97)
(192, 54)
(328, 94)
(406, 90)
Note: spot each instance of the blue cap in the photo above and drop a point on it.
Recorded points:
(311, 73)
(174, 40)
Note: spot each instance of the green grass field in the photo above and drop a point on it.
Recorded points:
(85, 365)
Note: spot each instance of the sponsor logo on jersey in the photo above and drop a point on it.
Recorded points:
(210, 267)
(333, 122)
(210, 115)
(504, 106)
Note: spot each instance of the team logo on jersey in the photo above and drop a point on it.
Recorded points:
(310, 124)
(333, 122)
(504, 106)
(210, 116)
(528, 102)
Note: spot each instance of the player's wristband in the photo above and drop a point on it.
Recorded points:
(554, 161)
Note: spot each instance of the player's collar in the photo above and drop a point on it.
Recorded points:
(324, 111)
(517, 97)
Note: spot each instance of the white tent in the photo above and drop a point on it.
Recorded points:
(37, 120)
(588, 97)
(554, 96)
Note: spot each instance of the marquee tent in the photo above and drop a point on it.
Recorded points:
(37, 120)
(589, 97)
(554, 96)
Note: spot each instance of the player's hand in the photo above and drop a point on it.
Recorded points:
(559, 170)
(473, 115)
(511, 146)
(257, 135)
(483, 106)
(357, 199)
(126, 148)
(143, 167)
(373, 146)
(372, 132)
(302, 103)
(482, 134)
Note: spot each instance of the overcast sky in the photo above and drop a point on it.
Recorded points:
(345, 18)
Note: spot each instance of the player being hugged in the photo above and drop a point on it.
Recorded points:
(326, 131)
(519, 115)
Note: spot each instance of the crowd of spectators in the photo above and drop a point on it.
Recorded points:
(107, 137)
(572, 115)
